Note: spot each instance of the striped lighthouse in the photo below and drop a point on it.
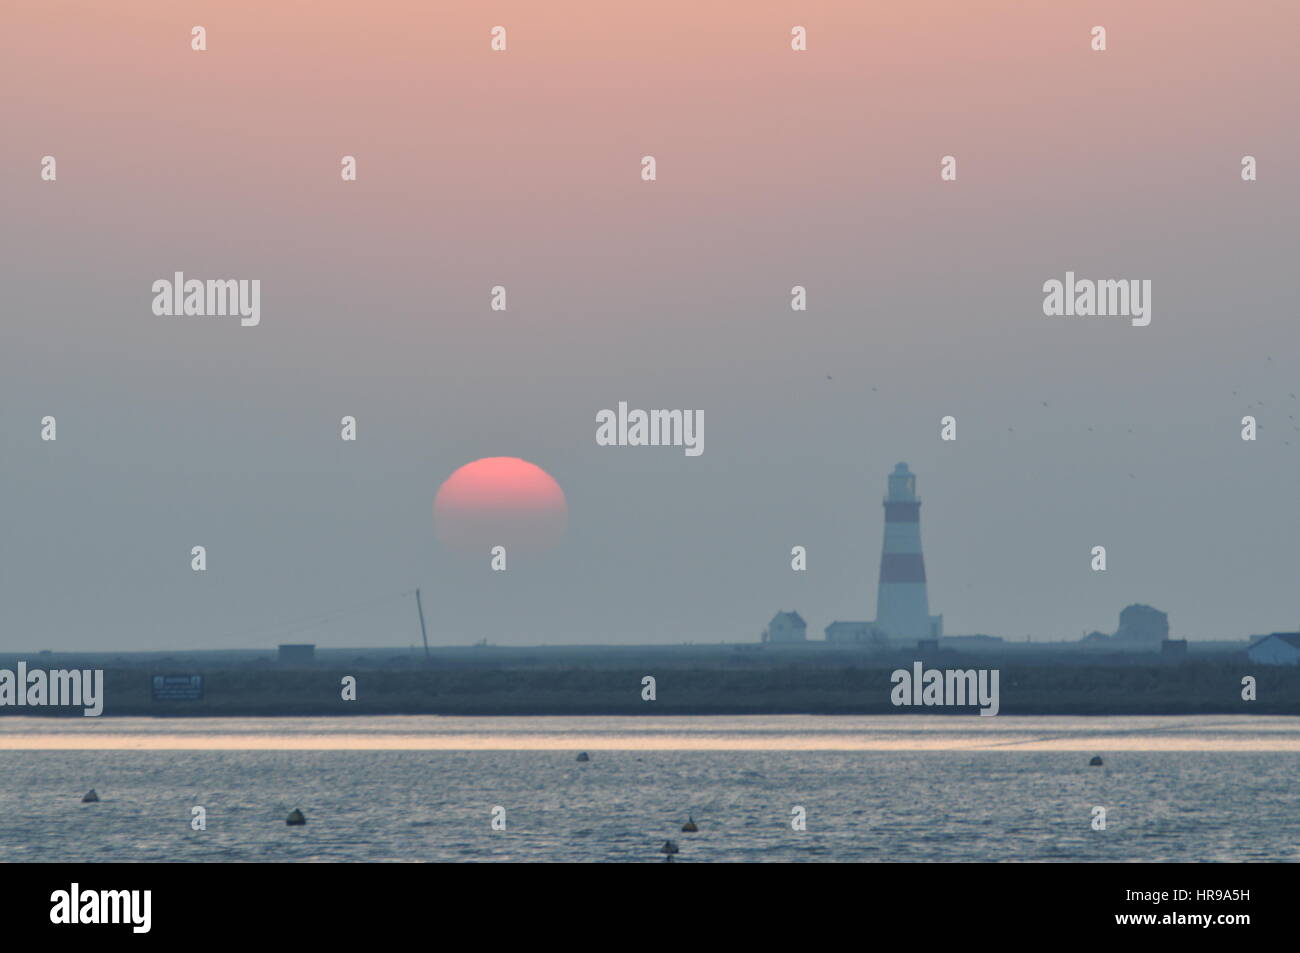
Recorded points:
(902, 607)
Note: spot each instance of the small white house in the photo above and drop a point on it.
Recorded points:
(1280, 648)
(786, 627)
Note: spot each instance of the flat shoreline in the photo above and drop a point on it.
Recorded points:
(1211, 687)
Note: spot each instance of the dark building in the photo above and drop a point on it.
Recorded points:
(1280, 648)
(1139, 623)
(786, 627)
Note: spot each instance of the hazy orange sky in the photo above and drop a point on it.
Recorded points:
(521, 168)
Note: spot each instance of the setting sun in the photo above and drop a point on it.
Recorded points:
(500, 501)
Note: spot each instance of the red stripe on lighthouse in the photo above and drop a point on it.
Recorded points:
(902, 567)
(904, 512)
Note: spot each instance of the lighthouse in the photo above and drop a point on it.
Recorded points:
(902, 607)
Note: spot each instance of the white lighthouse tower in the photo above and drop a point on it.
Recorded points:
(902, 607)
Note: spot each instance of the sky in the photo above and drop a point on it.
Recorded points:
(522, 168)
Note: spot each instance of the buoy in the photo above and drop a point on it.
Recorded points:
(295, 818)
(689, 827)
(583, 756)
(669, 848)
(1095, 762)
(90, 798)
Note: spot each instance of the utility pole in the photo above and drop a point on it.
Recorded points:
(424, 635)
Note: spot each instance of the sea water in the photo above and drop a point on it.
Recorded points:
(879, 788)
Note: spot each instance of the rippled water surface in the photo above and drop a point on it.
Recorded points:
(874, 788)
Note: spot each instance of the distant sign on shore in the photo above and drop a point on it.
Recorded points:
(177, 688)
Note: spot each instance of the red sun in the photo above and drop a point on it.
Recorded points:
(500, 501)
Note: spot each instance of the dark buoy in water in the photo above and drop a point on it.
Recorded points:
(669, 848)
(90, 797)
(689, 827)
(583, 756)
(1095, 762)
(295, 818)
